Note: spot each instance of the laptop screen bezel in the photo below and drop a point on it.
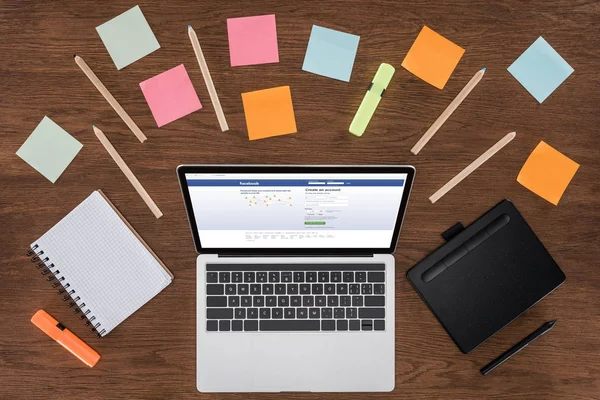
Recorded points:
(182, 170)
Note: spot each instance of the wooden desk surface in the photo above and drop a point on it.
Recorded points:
(152, 354)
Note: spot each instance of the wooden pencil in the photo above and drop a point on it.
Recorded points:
(214, 98)
(132, 178)
(472, 167)
(110, 98)
(447, 112)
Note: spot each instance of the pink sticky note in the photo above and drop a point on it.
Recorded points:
(170, 95)
(252, 40)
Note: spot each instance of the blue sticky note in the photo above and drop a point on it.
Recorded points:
(540, 69)
(330, 53)
(49, 149)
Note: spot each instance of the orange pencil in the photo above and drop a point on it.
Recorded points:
(65, 338)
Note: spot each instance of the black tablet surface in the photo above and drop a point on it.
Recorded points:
(485, 276)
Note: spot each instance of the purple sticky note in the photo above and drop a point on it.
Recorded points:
(252, 40)
(170, 95)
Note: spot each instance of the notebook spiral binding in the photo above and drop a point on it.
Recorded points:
(68, 293)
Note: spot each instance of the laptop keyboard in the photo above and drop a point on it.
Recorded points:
(295, 297)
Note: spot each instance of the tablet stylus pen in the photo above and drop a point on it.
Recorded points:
(518, 347)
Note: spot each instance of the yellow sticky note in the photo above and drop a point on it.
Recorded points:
(432, 58)
(269, 112)
(547, 172)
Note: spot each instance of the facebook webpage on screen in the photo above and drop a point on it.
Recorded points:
(296, 210)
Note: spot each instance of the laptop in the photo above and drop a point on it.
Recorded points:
(295, 277)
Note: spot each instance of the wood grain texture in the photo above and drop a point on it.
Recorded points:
(152, 354)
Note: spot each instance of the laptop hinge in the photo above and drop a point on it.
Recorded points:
(293, 256)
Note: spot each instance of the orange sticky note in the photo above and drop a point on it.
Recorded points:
(432, 58)
(269, 112)
(547, 172)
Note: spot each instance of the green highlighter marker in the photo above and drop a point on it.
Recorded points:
(372, 98)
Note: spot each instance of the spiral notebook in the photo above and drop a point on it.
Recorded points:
(99, 264)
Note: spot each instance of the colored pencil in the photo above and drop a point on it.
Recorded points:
(447, 112)
(132, 178)
(214, 98)
(472, 167)
(110, 98)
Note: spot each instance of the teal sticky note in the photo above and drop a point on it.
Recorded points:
(49, 149)
(128, 37)
(540, 69)
(330, 53)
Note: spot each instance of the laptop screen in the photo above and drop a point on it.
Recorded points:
(296, 210)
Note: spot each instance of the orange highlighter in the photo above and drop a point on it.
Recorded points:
(65, 338)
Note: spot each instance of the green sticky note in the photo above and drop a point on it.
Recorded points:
(128, 37)
(49, 149)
